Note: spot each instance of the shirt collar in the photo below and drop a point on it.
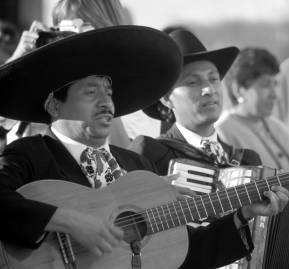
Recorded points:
(195, 139)
(75, 148)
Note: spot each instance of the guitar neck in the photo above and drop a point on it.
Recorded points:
(198, 208)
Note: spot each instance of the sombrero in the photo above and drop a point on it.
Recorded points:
(193, 50)
(143, 63)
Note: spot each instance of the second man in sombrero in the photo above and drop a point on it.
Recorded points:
(193, 105)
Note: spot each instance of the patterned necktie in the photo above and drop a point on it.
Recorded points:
(100, 167)
(215, 151)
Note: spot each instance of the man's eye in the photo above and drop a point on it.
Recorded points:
(214, 79)
(90, 92)
(192, 82)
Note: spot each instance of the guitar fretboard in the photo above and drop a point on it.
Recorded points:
(194, 209)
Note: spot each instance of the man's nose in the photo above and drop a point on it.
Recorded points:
(105, 102)
(208, 90)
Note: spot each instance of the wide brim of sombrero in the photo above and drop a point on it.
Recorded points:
(221, 58)
(143, 63)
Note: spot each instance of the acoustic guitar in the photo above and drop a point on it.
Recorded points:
(144, 206)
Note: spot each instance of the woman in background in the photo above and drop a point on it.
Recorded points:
(252, 83)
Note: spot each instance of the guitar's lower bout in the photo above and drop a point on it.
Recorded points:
(128, 196)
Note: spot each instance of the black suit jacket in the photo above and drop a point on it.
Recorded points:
(35, 158)
(160, 152)
(220, 242)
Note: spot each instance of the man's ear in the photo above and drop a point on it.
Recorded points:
(166, 102)
(52, 107)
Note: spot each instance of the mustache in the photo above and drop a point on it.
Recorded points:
(105, 110)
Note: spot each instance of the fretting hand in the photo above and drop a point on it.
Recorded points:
(277, 200)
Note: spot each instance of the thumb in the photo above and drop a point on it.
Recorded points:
(171, 178)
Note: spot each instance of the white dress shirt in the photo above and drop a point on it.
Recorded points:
(75, 148)
(195, 139)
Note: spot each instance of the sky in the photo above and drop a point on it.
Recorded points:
(159, 13)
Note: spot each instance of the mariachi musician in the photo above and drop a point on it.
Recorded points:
(193, 106)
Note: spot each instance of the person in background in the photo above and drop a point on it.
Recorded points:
(281, 108)
(93, 13)
(9, 36)
(12, 129)
(252, 83)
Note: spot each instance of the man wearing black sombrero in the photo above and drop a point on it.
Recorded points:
(78, 85)
(194, 104)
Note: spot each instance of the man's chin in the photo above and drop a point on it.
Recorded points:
(97, 131)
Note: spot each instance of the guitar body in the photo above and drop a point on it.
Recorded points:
(134, 192)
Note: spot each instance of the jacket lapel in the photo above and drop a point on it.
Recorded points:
(179, 143)
(174, 133)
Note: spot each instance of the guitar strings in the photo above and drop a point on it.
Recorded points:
(219, 192)
(250, 186)
(197, 203)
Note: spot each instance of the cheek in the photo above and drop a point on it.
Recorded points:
(184, 98)
(77, 111)
(252, 98)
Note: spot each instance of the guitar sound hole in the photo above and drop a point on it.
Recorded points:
(133, 225)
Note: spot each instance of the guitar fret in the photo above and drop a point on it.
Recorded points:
(261, 186)
(243, 194)
(185, 218)
(220, 202)
(177, 214)
(157, 228)
(226, 204)
(202, 209)
(234, 202)
(267, 184)
(212, 205)
(174, 215)
(172, 219)
(216, 202)
(197, 208)
(149, 219)
(160, 219)
(180, 213)
(278, 180)
(204, 206)
(238, 197)
(260, 197)
(229, 199)
(165, 217)
(189, 208)
(194, 212)
(209, 204)
(247, 193)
